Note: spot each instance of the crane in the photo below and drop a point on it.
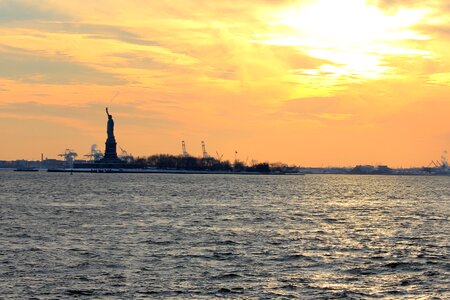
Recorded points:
(219, 156)
(442, 164)
(125, 156)
(444, 160)
(95, 153)
(183, 148)
(433, 163)
(69, 156)
(205, 154)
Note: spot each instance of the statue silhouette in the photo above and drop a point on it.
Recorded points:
(110, 145)
(110, 126)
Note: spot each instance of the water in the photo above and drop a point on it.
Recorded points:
(136, 236)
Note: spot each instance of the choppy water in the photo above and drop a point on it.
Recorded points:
(209, 236)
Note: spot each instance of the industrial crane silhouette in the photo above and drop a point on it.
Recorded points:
(183, 149)
(69, 156)
(205, 154)
(125, 156)
(95, 153)
(219, 156)
(444, 159)
(442, 164)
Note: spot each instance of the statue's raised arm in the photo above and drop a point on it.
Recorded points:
(110, 125)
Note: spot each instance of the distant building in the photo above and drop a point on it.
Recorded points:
(383, 170)
(368, 169)
(363, 169)
(52, 163)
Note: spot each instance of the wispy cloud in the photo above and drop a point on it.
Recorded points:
(27, 67)
(16, 11)
(93, 31)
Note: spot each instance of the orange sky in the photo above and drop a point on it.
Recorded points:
(313, 83)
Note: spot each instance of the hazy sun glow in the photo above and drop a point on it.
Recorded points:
(350, 33)
(347, 23)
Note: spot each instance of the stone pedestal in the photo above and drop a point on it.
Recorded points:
(110, 156)
(111, 149)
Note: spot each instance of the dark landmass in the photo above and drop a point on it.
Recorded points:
(168, 163)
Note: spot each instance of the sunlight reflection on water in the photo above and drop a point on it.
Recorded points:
(206, 236)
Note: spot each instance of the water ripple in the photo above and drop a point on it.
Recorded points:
(127, 236)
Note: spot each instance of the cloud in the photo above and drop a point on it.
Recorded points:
(396, 4)
(435, 30)
(30, 68)
(409, 65)
(295, 58)
(139, 61)
(26, 14)
(95, 31)
(439, 79)
(19, 10)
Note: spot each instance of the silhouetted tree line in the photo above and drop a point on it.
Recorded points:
(177, 162)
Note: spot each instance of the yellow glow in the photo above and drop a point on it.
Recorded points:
(439, 78)
(352, 34)
(346, 23)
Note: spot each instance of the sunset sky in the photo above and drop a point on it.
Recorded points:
(313, 83)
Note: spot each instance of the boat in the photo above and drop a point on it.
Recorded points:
(26, 169)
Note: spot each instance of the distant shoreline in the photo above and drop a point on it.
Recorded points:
(193, 172)
(161, 171)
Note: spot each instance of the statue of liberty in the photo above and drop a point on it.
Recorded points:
(110, 145)
(110, 126)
